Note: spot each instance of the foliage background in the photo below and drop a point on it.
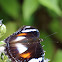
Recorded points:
(46, 15)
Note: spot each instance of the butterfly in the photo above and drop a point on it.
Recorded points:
(24, 45)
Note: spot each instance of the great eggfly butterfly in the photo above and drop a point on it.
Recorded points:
(24, 45)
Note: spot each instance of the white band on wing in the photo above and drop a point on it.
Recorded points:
(36, 60)
(30, 30)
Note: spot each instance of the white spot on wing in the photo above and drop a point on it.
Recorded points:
(30, 30)
(36, 60)
(20, 38)
(27, 26)
(21, 48)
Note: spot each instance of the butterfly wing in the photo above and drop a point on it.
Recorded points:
(21, 51)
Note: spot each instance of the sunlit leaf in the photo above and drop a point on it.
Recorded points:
(2, 43)
(51, 4)
(29, 7)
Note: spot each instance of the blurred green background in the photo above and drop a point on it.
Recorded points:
(45, 15)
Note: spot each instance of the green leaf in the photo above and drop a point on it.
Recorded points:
(58, 56)
(51, 4)
(56, 26)
(11, 7)
(4, 59)
(29, 7)
(48, 45)
(60, 3)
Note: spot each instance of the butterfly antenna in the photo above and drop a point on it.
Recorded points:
(50, 35)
